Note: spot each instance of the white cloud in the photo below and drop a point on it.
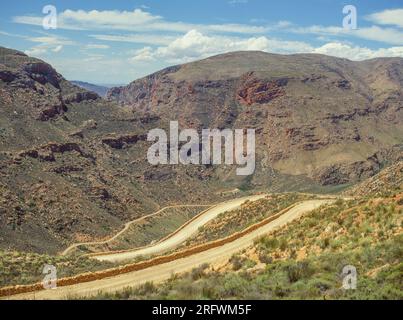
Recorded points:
(153, 39)
(237, 1)
(96, 69)
(388, 17)
(143, 55)
(3, 33)
(35, 21)
(195, 45)
(51, 40)
(341, 50)
(47, 43)
(58, 48)
(375, 33)
(108, 19)
(283, 24)
(36, 51)
(97, 46)
(136, 20)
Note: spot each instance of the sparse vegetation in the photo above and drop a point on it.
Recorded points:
(19, 268)
(250, 213)
(148, 230)
(317, 277)
(305, 259)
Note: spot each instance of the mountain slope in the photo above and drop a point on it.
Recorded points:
(330, 119)
(387, 182)
(72, 166)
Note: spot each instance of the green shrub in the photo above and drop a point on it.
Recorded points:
(299, 270)
(198, 272)
(283, 244)
(236, 262)
(265, 258)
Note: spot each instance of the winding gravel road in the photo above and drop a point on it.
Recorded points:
(164, 271)
(178, 238)
(127, 226)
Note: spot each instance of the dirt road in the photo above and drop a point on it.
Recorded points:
(181, 236)
(164, 271)
(126, 227)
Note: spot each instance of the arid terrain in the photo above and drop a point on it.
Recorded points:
(327, 189)
(73, 166)
(327, 119)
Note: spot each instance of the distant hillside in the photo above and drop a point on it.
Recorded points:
(332, 120)
(100, 90)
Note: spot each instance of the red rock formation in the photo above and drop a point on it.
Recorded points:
(258, 91)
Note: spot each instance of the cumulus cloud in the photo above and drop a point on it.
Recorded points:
(143, 55)
(341, 50)
(388, 17)
(195, 45)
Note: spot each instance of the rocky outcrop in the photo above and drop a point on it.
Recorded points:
(47, 113)
(141, 89)
(7, 76)
(338, 174)
(86, 126)
(345, 173)
(43, 73)
(389, 180)
(38, 88)
(48, 151)
(257, 91)
(149, 118)
(121, 142)
(343, 84)
(80, 97)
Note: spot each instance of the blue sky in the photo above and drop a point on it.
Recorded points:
(115, 42)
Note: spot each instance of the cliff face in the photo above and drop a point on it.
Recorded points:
(318, 116)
